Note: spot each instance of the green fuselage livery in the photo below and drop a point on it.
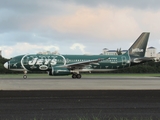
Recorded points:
(47, 62)
(75, 64)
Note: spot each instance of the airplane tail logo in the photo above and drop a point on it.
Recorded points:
(138, 48)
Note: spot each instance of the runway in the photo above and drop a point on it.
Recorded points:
(112, 83)
(80, 105)
(97, 98)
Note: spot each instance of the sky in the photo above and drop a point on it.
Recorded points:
(76, 26)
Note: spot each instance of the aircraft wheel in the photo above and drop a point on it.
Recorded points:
(78, 76)
(24, 76)
(74, 76)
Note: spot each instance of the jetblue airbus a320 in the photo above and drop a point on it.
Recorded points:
(58, 65)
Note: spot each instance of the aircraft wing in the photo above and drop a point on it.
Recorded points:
(80, 65)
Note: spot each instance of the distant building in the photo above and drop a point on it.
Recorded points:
(55, 53)
(49, 53)
(105, 50)
(158, 56)
(151, 52)
(112, 52)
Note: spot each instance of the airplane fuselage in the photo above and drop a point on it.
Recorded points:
(37, 62)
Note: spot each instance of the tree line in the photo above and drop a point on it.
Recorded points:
(149, 67)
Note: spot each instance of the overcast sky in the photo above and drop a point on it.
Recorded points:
(76, 26)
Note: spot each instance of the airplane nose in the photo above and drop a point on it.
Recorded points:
(6, 65)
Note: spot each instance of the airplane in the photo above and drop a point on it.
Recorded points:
(58, 65)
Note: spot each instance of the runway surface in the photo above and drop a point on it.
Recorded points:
(111, 98)
(112, 83)
(80, 105)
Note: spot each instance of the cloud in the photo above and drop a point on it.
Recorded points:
(141, 4)
(74, 21)
(26, 48)
(102, 23)
(95, 24)
(81, 47)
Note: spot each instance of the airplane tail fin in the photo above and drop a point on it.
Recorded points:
(138, 49)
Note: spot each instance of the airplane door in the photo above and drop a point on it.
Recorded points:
(124, 61)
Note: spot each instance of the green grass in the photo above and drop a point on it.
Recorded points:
(99, 75)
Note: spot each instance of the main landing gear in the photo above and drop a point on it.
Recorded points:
(78, 76)
(25, 75)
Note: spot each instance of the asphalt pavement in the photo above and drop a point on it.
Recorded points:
(80, 105)
(124, 98)
(113, 83)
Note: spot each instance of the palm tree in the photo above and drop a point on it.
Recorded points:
(119, 51)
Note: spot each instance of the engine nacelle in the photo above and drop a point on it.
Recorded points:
(136, 60)
(59, 71)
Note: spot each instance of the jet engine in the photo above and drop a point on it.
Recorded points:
(136, 60)
(59, 71)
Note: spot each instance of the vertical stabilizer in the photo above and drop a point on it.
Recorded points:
(138, 49)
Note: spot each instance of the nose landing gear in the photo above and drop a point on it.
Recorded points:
(25, 75)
